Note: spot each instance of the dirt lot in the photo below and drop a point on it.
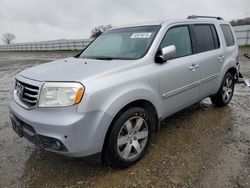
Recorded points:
(201, 146)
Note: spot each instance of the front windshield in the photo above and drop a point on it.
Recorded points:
(126, 43)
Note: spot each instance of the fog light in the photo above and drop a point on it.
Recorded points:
(56, 145)
(52, 143)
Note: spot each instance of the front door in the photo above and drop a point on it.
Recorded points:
(179, 77)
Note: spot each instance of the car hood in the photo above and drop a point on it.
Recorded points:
(74, 69)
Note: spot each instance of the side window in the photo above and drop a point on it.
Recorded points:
(178, 36)
(216, 38)
(228, 35)
(204, 38)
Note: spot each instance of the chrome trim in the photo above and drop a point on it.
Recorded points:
(27, 88)
(29, 101)
(35, 83)
(174, 92)
(204, 80)
(190, 86)
(32, 96)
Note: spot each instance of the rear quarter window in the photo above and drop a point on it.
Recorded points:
(216, 38)
(228, 35)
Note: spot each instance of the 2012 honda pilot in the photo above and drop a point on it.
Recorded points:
(104, 103)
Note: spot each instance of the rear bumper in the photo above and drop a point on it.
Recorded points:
(81, 134)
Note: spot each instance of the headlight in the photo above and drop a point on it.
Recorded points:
(59, 94)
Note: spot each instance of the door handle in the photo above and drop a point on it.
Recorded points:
(193, 67)
(221, 58)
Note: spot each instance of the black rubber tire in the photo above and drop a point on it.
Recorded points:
(111, 156)
(217, 99)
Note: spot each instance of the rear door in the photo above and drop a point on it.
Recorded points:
(179, 77)
(230, 49)
(209, 55)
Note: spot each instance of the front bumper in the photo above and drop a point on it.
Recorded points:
(82, 134)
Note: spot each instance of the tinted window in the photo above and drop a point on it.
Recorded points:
(178, 36)
(228, 35)
(216, 38)
(204, 38)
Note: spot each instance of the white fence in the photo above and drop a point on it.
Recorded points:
(47, 45)
(242, 34)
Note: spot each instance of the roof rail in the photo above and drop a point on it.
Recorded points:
(195, 17)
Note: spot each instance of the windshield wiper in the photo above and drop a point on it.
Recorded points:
(102, 58)
(106, 58)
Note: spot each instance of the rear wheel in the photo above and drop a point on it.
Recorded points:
(129, 138)
(225, 93)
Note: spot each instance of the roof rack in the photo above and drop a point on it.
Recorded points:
(195, 17)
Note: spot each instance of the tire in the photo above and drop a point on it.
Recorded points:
(129, 138)
(225, 93)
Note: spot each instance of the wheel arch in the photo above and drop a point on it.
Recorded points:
(233, 71)
(228, 67)
(143, 103)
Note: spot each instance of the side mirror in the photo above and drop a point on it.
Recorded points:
(166, 53)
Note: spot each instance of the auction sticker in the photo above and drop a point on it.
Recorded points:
(140, 35)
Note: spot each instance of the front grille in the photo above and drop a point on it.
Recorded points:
(27, 93)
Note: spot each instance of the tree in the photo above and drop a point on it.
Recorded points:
(8, 38)
(244, 21)
(98, 30)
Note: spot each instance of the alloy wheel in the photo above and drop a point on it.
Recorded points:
(132, 138)
(227, 90)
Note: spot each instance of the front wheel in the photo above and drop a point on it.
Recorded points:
(129, 138)
(225, 93)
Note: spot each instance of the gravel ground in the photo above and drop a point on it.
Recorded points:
(201, 146)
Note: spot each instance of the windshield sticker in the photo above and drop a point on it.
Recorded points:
(140, 35)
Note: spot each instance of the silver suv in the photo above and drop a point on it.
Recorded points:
(104, 103)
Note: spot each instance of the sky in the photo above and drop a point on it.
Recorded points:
(41, 20)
